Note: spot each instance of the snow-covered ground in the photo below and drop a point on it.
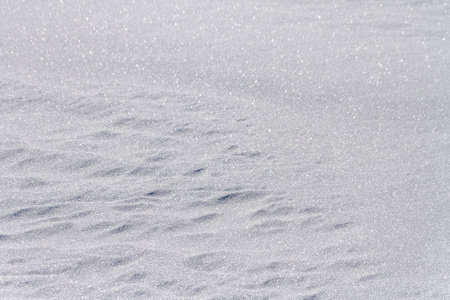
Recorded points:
(225, 149)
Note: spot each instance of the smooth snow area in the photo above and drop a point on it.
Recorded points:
(225, 149)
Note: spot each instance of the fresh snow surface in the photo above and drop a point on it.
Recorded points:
(224, 149)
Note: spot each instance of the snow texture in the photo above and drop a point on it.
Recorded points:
(224, 149)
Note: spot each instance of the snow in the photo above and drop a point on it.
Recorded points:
(224, 149)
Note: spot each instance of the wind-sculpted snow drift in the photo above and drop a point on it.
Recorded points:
(282, 150)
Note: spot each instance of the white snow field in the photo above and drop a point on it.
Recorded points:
(208, 149)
